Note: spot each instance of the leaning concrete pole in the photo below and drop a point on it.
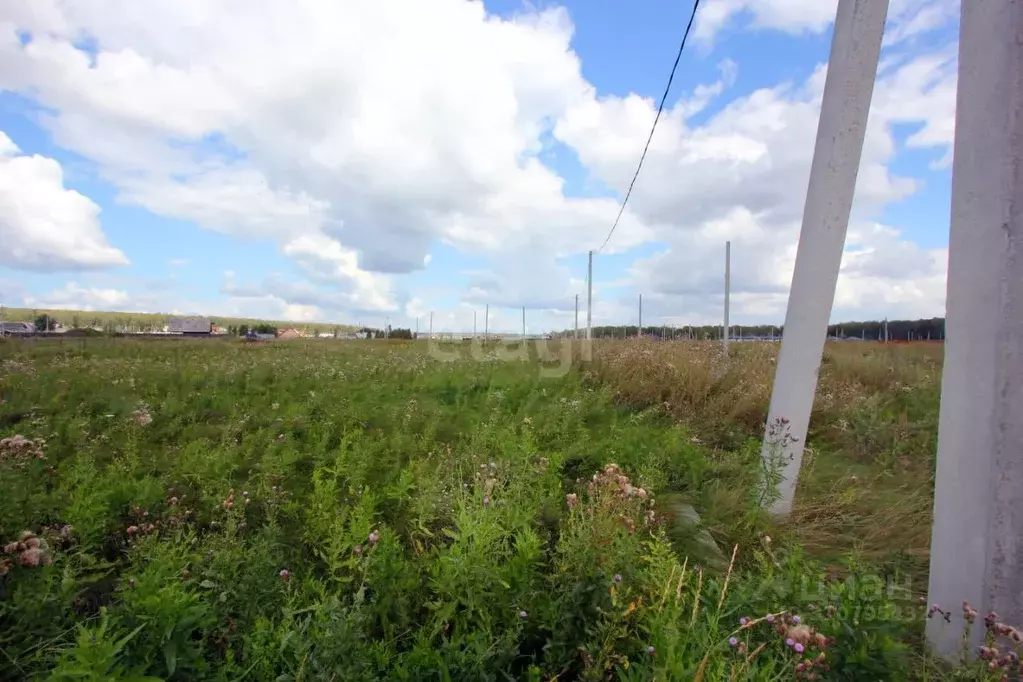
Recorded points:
(852, 68)
(976, 551)
(728, 290)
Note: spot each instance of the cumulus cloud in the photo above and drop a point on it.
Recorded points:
(356, 135)
(43, 225)
(73, 296)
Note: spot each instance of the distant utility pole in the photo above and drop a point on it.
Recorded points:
(431, 324)
(886, 330)
(848, 88)
(523, 323)
(474, 324)
(639, 332)
(387, 329)
(728, 287)
(589, 299)
(417, 326)
(577, 316)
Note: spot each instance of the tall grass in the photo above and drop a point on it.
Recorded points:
(358, 511)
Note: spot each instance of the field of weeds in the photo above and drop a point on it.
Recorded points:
(213, 510)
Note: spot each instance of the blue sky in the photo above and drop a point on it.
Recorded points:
(367, 163)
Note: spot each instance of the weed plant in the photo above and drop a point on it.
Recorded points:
(360, 511)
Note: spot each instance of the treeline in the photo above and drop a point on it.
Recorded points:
(932, 329)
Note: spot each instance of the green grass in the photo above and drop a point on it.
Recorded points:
(358, 511)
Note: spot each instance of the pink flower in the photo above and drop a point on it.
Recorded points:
(571, 499)
(285, 574)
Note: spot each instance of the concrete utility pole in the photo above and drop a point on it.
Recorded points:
(486, 323)
(852, 69)
(978, 492)
(417, 327)
(474, 324)
(523, 323)
(886, 330)
(639, 332)
(589, 299)
(431, 324)
(728, 287)
(577, 316)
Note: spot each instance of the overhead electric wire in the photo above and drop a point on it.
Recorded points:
(646, 147)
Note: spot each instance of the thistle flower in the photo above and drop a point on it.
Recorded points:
(523, 614)
(373, 538)
(571, 500)
(617, 578)
(285, 574)
(650, 650)
(733, 642)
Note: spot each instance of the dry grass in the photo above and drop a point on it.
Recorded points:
(867, 477)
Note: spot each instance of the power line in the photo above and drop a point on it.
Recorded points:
(646, 147)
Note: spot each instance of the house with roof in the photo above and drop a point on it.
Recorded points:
(289, 333)
(190, 326)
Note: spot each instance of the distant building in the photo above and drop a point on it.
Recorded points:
(190, 326)
(17, 328)
(290, 333)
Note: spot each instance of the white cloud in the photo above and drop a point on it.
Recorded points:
(907, 19)
(43, 225)
(355, 135)
(75, 297)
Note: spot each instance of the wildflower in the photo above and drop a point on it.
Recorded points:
(373, 537)
(617, 578)
(30, 557)
(131, 582)
(733, 642)
(770, 618)
(132, 530)
(798, 647)
(743, 621)
(285, 574)
(486, 500)
(245, 493)
(358, 550)
(571, 499)
(789, 642)
(523, 614)
(11, 548)
(795, 620)
(767, 539)
(650, 650)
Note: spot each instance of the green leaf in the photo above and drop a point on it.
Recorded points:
(171, 656)
(207, 584)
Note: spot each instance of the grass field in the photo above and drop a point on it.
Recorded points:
(329, 510)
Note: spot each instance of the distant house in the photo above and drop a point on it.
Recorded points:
(289, 333)
(190, 326)
(17, 328)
